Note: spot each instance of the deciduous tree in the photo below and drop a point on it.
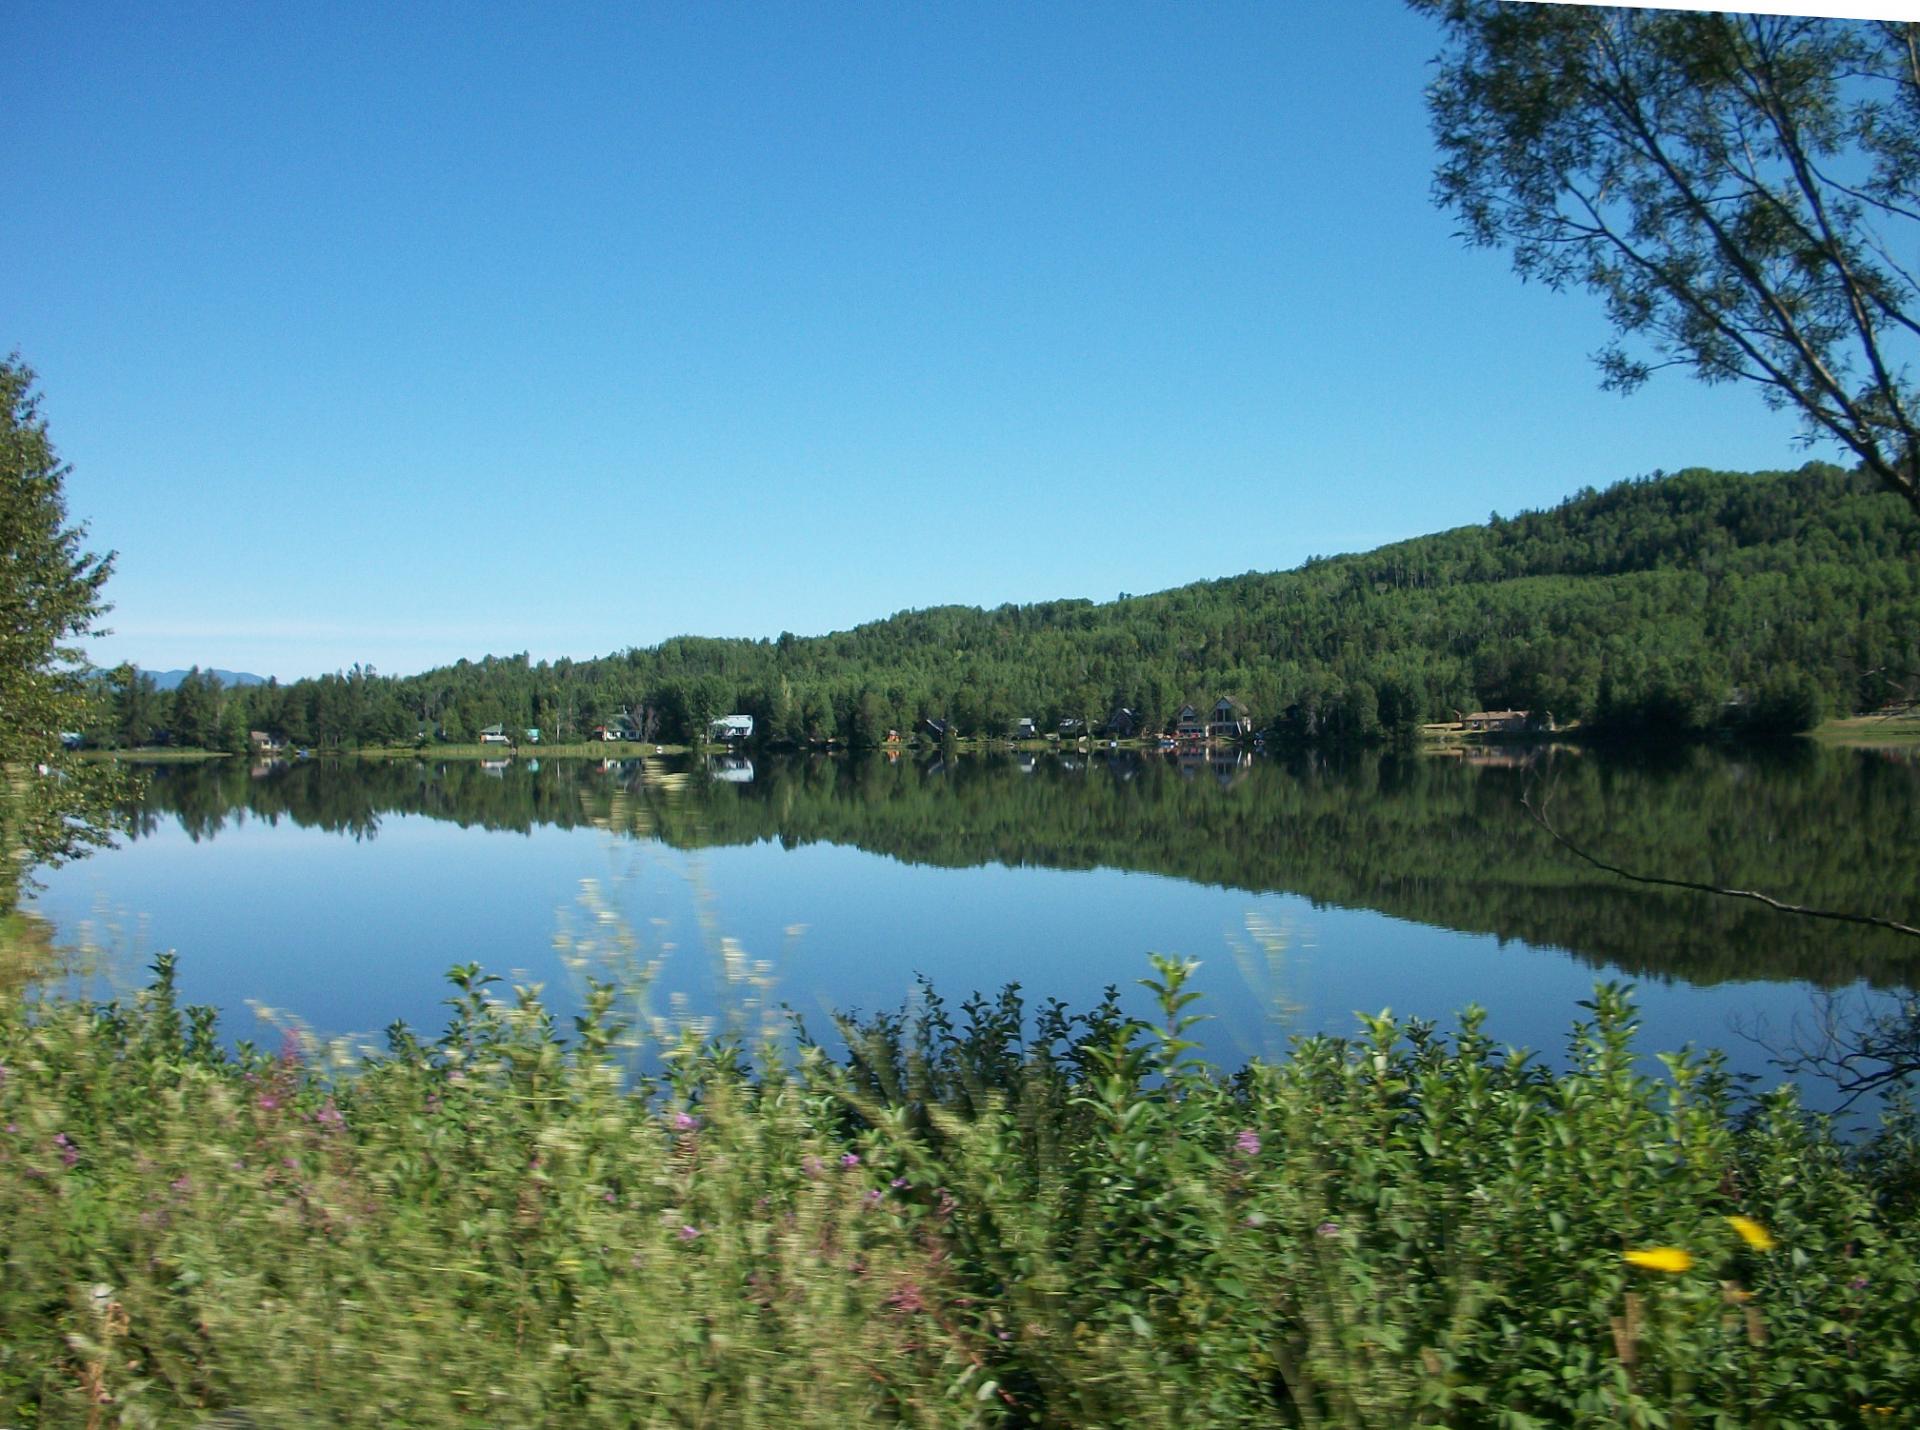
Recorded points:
(1743, 192)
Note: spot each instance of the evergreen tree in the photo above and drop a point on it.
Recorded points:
(51, 808)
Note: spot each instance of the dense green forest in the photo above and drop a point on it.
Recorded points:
(1435, 841)
(1669, 605)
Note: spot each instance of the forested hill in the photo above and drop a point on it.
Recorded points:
(1671, 603)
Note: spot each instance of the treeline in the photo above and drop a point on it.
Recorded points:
(1673, 605)
(1434, 841)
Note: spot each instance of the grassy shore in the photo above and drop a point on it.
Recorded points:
(980, 1216)
(1889, 732)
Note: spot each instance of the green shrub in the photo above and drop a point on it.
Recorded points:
(982, 1219)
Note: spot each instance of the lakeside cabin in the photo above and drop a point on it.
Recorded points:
(1497, 722)
(1189, 727)
(1123, 724)
(730, 730)
(1025, 729)
(495, 735)
(1230, 720)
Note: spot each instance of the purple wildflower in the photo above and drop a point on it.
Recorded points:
(329, 1116)
(1248, 1142)
(268, 1102)
(1859, 1283)
(609, 1198)
(1327, 1228)
(685, 1122)
(900, 1184)
(182, 1184)
(69, 1154)
(872, 1199)
(812, 1166)
(907, 1297)
(689, 1233)
(849, 1160)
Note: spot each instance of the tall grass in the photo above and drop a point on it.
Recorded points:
(976, 1216)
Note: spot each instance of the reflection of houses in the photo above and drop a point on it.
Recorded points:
(1123, 724)
(494, 735)
(1189, 725)
(730, 729)
(730, 769)
(1230, 720)
(1230, 766)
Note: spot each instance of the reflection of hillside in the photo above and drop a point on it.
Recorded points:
(1435, 841)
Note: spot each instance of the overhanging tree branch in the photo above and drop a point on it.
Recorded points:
(1539, 816)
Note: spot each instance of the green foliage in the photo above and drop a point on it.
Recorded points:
(1669, 606)
(969, 1221)
(1735, 188)
(51, 809)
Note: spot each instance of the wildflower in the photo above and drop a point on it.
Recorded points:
(1327, 1228)
(1248, 1142)
(907, 1297)
(609, 1198)
(812, 1166)
(268, 1102)
(329, 1116)
(69, 1154)
(1671, 1259)
(689, 1233)
(850, 1159)
(1752, 1233)
(1859, 1283)
(900, 1184)
(685, 1122)
(182, 1184)
(871, 1200)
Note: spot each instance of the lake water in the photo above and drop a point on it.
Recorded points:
(340, 892)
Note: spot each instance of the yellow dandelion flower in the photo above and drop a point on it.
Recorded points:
(1671, 1259)
(1752, 1233)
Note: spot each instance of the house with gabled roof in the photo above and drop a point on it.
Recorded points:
(1230, 720)
(495, 735)
(1188, 725)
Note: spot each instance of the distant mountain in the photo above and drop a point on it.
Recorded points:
(170, 679)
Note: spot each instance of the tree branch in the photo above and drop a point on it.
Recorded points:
(1805, 911)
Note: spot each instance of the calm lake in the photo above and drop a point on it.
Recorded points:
(340, 891)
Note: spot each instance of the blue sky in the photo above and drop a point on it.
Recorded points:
(400, 334)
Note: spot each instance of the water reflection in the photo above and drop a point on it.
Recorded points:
(1439, 841)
